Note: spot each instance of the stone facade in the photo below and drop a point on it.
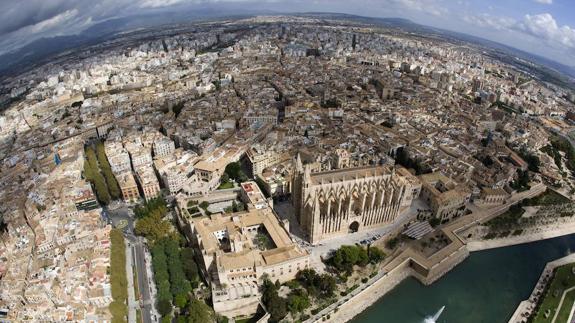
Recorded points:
(334, 203)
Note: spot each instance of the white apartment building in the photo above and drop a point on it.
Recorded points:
(261, 157)
(163, 147)
(141, 157)
(119, 162)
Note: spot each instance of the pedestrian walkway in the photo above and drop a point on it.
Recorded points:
(132, 304)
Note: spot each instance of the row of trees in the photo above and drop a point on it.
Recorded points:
(346, 257)
(553, 152)
(235, 207)
(92, 174)
(176, 274)
(118, 280)
(113, 187)
(97, 170)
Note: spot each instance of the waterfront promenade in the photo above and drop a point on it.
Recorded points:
(526, 307)
(542, 234)
(409, 262)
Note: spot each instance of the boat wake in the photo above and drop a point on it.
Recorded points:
(433, 319)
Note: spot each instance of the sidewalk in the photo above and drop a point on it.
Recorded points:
(132, 304)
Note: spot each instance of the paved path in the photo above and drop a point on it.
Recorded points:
(140, 262)
(347, 298)
(132, 305)
(452, 250)
(144, 283)
(561, 303)
(571, 318)
(526, 307)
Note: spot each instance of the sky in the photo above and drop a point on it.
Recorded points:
(543, 27)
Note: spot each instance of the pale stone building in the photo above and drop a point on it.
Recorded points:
(141, 157)
(128, 186)
(163, 147)
(148, 182)
(334, 203)
(260, 157)
(120, 162)
(445, 197)
(233, 257)
(490, 196)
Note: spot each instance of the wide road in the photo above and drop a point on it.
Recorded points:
(143, 280)
(123, 215)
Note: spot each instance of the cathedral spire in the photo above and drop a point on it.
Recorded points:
(298, 164)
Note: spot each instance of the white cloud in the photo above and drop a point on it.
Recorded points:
(53, 22)
(159, 3)
(428, 6)
(544, 1)
(546, 27)
(543, 27)
(490, 21)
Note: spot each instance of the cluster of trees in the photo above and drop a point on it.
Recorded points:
(92, 174)
(264, 242)
(196, 311)
(151, 223)
(521, 183)
(234, 171)
(118, 280)
(176, 274)
(235, 207)
(346, 257)
(275, 304)
(531, 159)
(316, 285)
(307, 285)
(297, 301)
(157, 204)
(562, 144)
(551, 151)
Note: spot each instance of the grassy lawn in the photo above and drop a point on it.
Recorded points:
(226, 185)
(136, 291)
(565, 309)
(247, 320)
(563, 279)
